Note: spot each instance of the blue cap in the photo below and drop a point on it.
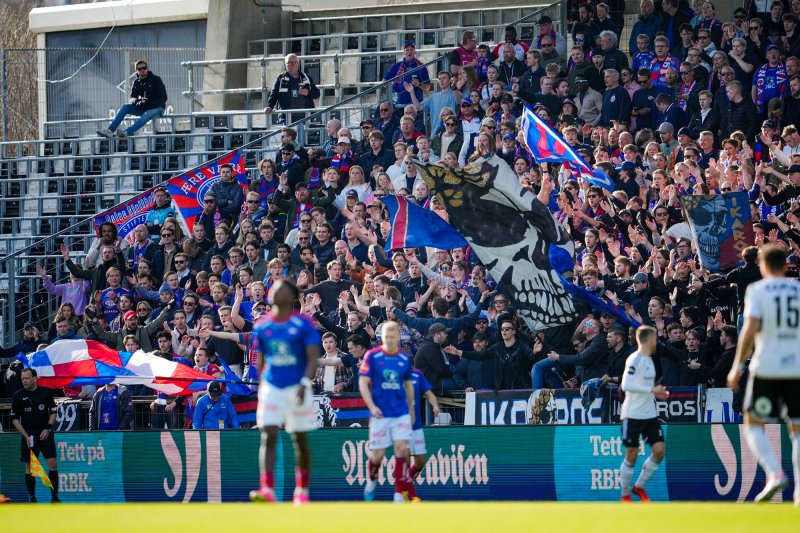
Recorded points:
(412, 44)
(467, 100)
(770, 47)
(627, 165)
(509, 136)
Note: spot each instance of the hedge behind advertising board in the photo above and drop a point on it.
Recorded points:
(563, 463)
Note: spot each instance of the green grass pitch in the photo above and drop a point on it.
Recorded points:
(486, 517)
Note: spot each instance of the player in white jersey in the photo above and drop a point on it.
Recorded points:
(772, 322)
(639, 415)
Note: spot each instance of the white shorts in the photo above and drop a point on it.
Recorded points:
(384, 431)
(417, 444)
(278, 406)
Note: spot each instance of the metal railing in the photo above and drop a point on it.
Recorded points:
(62, 84)
(26, 301)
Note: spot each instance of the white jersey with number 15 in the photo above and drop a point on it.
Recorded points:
(776, 302)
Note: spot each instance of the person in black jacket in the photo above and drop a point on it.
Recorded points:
(294, 89)
(592, 360)
(741, 276)
(112, 408)
(739, 114)
(433, 362)
(512, 358)
(147, 101)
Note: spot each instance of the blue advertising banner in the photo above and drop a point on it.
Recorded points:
(704, 462)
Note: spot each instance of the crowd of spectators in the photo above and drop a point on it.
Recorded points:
(692, 106)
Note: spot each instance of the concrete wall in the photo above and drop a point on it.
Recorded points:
(231, 24)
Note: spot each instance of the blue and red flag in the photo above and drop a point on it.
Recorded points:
(547, 146)
(414, 226)
(78, 362)
(189, 189)
(127, 216)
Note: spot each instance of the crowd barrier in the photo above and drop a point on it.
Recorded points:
(705, 462)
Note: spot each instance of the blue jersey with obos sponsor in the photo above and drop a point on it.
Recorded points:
(284, 344)
(388, 373)
(421, 386)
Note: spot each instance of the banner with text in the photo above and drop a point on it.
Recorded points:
(704, 462)
(543, 407)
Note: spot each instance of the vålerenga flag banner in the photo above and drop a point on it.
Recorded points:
(721, 227)
(187, 190)
(704, 462)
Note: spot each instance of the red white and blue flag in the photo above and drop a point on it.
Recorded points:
(189, 189)
(414, 226)
(547, 146)
(78, 362)
(128, 215)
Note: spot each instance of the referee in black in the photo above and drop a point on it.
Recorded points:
(33, 413)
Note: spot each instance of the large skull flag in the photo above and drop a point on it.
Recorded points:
(721, 227)
(510, 231)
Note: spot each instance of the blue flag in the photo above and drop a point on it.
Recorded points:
(414, 226)
(547, 146)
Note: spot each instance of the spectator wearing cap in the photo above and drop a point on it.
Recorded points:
(290, 168)
(476, 374)
(520, 48)
(639, 290)
(588, 101)
(616, 101)
(488, 126)
(143, 334)
(215, 410)
(673, 114)
(740, 113)
(435, 102)
(508, 149)
(470, 119)
(510, 68)
(289, 135)
(435, 364)
(648, 24)
(30, 340)
(668, 141)
(614, 57)
(293, 89)
(419, 79)
(769, 80)
(685, 140)
(546, 31)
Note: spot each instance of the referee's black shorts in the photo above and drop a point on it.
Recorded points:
(649, 429)
(46, 447)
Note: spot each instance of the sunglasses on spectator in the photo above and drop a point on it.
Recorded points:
(190, 303)
(142, 309)
(307, 220)
(385, 109)
(588, 324)
(304, 238)
(142, 68)
(489, 126)
(547, 45)
(506, 329)
(444, 268)
(179, 261)
(752, 28)
(661, 214)
(591, 196)
(500, 301)
(466, 105)
(451, 124)
(166, 234)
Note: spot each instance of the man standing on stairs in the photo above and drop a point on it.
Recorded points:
(148, 101)
(294, 89)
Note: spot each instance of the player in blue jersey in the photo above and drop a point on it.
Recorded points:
(385, 382)
(418, 450)
(287, 346)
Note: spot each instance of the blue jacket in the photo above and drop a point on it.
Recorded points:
(209, 413)
(677, 117)
(453, 324)
(649, 27)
